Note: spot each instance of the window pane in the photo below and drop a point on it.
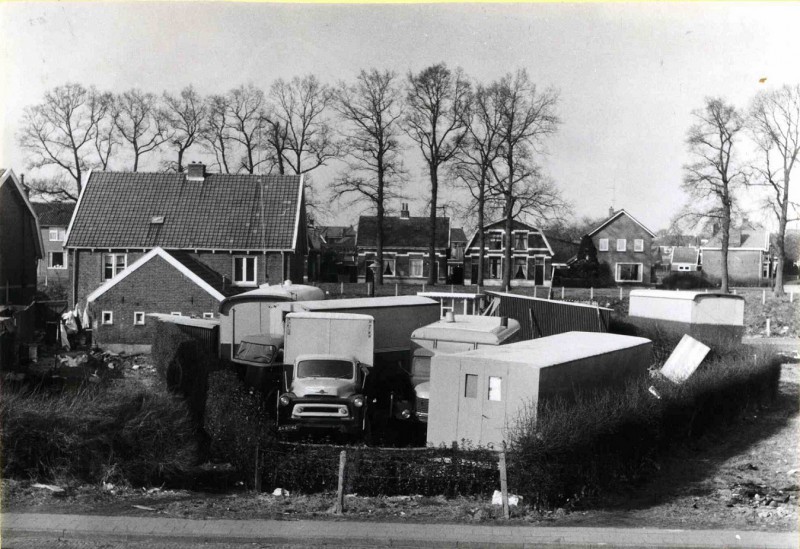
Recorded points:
(120, 263)
(251, 269)
(520, 268)
(57, 259)
(638, 245)
(108, 266)
(603, 244)
(495, 388)
(237, 269)
(471, 386)
(621, 244)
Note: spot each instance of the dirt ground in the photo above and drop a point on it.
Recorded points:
(744, 477)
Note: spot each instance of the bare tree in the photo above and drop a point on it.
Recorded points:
(713, 178)
(247, 118)
(106, 138)
(437, 103)
(528, 116)
(184, 116)
(371, 110)
(140, 122)
(61, 132)
(775, 123)
(215, 134)
(472, 165)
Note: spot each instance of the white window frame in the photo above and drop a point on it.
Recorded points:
(638, 244)
(107, 318)
(138, 318)
(494, 388)
(496, 236)
(499, 267)
(524, 268)
(414, 261)
(389, 261)
(524, 236)
(114, 270)
(602, 245)
(208, 315)
(245, 281)
(622, 244)
(51, 234)
(50, 260)
(617, 271)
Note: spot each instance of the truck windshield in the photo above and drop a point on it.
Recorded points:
(254, 352)
(340, 369)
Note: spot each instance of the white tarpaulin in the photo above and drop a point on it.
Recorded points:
(685, 359)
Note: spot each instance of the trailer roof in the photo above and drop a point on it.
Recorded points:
(332, 316)
(185, 320)
(276, 292)
(555, 349)
(364, 303)
(688, 295)
(469, 328)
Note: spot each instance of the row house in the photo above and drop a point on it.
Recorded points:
(53, 271)
(749, 257)
(21, 245)
(142, 243)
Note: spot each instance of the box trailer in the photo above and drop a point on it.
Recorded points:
(711, 317)
(476, 395)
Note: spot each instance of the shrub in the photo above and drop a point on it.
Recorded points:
(687, 281)
(126, 433)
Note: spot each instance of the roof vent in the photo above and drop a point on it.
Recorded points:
(157, 220)
(196, 171)
(449, 317)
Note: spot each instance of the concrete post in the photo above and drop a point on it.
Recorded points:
(769, 331)
(591, 293)
(339, 508)
(562, 293)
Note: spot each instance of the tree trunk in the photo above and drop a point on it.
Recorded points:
(726, 236)
(781, 245)
(379, 231)
(432, 244)
(180, 160)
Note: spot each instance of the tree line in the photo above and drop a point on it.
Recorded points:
(486, 138)
(734, 148)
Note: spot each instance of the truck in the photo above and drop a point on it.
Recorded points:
(329, 357)
(452, 334)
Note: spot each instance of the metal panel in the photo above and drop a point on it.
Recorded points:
(542, 317)
(207, 337)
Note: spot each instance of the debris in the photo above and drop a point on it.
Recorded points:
(685, 359)
(135, 366)
(108, 486)
(52, 487)
(497, 499)
(653, 392)
(280, 492)
(145, 508)
(790, 472)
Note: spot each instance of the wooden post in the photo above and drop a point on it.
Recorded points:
(591, 293)
(562, 293)
(339, 507)
(620, 293)
(396, 289)
(369, 288)
(769, 332)
(763, 297)
(257, 476)
(504, 483)
(423, 286)
(534, 291)
(341, 288)
(791, 297)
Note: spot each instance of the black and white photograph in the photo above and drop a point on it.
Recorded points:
(399, 274)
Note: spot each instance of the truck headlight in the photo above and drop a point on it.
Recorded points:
(285, 399)
(358, 401)
(406, 413)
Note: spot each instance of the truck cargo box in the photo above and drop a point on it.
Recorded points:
(331, 334)
(475, 395)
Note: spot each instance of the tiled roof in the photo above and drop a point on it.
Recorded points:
(53, 214)
(410, 232)
(228, 212)
(617, 214)
(206, 273)
(457, 235)
(741, 238)
(563, 250)
(684, 254)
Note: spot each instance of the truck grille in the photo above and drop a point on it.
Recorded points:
(320, 410)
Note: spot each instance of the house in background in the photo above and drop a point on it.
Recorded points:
(531, 254)
(405, 247)
(623, 244)
(455, 258)
(749, 257)
(21, 245)
(53, 273)
(233, 232)
(684, 259)
(337, 254)
(564, 251)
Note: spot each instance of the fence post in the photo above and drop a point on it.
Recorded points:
(562, 293)
(396, 290)
(620, 293)
(791, 297)
(534, 290)
(591, 293)
(763, 297)
(504, 483)
(423, 287)
(341, 288)
(369, 289)
(768, 328)
(339, 507)
(257, 476)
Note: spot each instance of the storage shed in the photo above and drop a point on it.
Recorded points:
(477, 394)
(713, 318)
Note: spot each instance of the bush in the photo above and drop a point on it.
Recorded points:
(566, 450)
(238, 422)
(126, 433)
(687, 281)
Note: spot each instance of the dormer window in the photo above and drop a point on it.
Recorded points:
(520, 241)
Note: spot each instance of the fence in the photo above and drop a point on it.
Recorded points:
(542, 317)
(204, 331)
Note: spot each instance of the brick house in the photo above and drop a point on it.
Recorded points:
(337, 253)
(624, 244)
(531, 253)
(455, 259)
(21, 245)
(54, 217)
(236, 232)
(405, 247)
(749, 257)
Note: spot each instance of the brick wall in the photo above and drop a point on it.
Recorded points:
(624, 227)
(18, 260)
(173, 292)
(744, 266)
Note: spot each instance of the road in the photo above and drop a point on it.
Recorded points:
(24, 531)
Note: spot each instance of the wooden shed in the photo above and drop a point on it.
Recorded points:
(476, 395)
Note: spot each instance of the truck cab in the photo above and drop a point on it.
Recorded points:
(453, 334)
(261, 355)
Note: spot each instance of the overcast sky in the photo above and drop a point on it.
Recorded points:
(628, 74)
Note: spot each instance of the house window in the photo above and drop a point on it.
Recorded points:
(416, 267)
(622, 245)
(56, 235)
(521, 241)
(495, 241)
(107, 318)
(521, 268)
(244, 271)
(56, 260)
(629, 272)
(138, 318)
(113, 264)
(495, 267)
(603, 245)
(471, 386)
(388, 267)
(638, 245)
(495, 388)
(208, 315)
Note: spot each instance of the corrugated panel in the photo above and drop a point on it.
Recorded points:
(542, 318)
(207, 337)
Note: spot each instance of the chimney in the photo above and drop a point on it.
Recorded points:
(611, 211)
(404, 211)
(196, 171)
